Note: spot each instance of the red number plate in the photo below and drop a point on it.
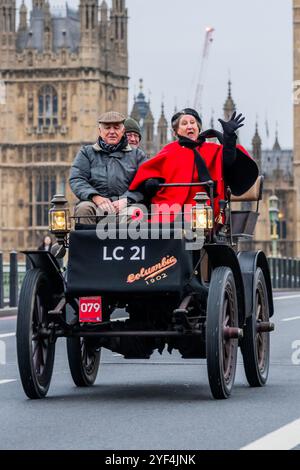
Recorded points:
(90, 309)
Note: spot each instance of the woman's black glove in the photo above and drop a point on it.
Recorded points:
(234, 123)
(229, 141)
(151, 186)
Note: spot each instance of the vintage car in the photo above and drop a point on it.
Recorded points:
(185, 290)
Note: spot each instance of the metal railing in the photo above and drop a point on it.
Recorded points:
(11, 277)
(285, 273)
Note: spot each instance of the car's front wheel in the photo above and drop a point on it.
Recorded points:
(222, 317)
(35, 348)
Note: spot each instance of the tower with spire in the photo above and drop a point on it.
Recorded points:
(119, 34)
(140, 105)
(142, 113)
(256, 148)
(162, 129)
(88, 11)
(148, 132)
(23, 18)
(276, 146)
(229, 106)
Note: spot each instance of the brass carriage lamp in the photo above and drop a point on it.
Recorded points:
(59, 216)
(202, 213)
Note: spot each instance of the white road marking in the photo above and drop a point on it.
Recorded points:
(284, 297)
(7, 381)
(7, 335)
(10, 317)
(290, 319)
(285, 438)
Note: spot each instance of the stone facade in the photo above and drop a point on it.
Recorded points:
(57, 75)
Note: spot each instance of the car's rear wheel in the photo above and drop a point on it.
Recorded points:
(35, 349)
(84, 360)
(255, 344)
(222, 317)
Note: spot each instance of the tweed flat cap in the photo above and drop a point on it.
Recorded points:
(111, 117)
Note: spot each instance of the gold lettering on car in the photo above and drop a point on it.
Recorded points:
(151, 272)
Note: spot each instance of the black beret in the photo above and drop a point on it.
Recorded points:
(190, 112)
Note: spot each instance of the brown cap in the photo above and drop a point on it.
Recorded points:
(111, 117)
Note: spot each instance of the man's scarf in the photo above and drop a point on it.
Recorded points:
(107, 148)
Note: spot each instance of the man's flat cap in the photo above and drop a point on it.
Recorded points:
(111, 117)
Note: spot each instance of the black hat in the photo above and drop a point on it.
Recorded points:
(132, 126)
(190, 111)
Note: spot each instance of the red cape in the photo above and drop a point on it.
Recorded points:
(175, 164)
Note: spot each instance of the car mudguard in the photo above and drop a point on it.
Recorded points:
(249, 261)
(224, 255)
(46, 261)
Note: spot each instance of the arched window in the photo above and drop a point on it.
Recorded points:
(48, 107)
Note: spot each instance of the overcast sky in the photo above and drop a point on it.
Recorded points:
(252, 43)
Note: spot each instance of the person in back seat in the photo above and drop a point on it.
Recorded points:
(101, 173)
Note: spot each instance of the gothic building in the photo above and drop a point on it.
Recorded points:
(152, 141)
(56, 75)
(276, 165)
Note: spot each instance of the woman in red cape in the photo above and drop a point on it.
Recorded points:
(190, 159)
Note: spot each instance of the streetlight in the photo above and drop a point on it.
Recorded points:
(274, 218)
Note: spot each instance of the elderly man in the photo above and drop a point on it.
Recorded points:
(101, 173)
(133, 132)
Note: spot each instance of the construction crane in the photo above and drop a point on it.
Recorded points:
(200, 83)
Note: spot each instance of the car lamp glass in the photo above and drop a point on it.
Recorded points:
(58, 221)
(59, 216)
(202, 214)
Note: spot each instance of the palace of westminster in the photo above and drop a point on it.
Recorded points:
(57, 73)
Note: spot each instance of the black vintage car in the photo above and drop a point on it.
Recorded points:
(186, 290)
